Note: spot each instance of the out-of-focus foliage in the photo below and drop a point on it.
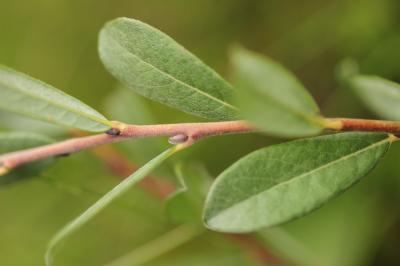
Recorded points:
(380, 95)
(266, 90)
(56, 41)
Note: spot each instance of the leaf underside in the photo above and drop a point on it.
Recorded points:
(27, 96)
(271, 97)
(155, 66)
(380, 95)
(279, 183)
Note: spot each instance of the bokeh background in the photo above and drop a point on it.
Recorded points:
(56, 41)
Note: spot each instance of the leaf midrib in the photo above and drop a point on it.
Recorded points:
(35, 96)
(172, 77)
(295, 178)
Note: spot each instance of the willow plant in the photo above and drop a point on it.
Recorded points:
(268, 187)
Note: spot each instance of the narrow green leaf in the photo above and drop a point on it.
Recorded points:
(159, 246)
(14, 141)
(104, 201)
(24, 95)
(272, 98)
(380, 95)
(154, 65)
(186, 204)
(279, 183)
(281, 242)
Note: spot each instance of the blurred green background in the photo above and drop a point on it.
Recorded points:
(56, 41)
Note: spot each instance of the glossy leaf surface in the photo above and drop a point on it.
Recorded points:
(380, 95)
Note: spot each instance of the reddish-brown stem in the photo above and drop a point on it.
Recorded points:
(348, 124)
(193, 131)
(190, 132)
(14, 159)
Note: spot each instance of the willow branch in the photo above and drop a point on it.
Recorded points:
(185, 132)
(178, 133)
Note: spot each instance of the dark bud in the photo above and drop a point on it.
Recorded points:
(113, 132)
(63, 155)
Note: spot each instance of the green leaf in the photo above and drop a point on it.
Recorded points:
(154, 65)
(159, 246)
(380, 95)
(186, 204)
(272, 98)
(106, 200)
(209, 249)
(282, 182)
(24, 95)
(15, 122)
(14, 141)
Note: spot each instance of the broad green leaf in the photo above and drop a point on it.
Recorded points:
(380, 95)
(272, 98)
(24, 95)
(104, 201)
(186, 204)
(14, 141)
(154, 65)
(282, 182)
